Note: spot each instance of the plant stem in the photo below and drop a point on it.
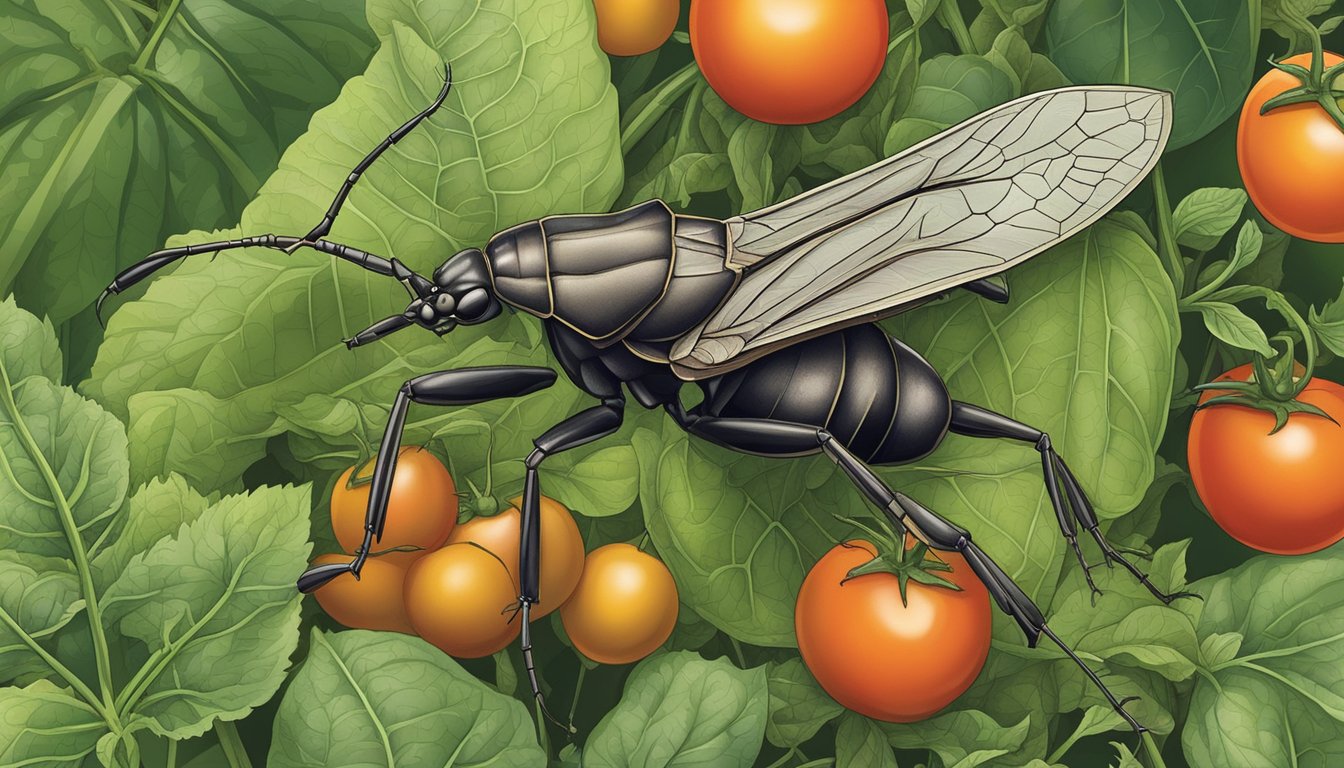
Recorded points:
(156, 34)
(102, 658)
(171, 760)
(664, 95)
(232, 744)
(737, 648)
(543, 738)
(1166, 232)
(949, 13)
(792, 753)
(1148, 742)
(578, 686)
(821, 762)
(60, 669)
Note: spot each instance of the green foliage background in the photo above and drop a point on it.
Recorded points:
(164, 482)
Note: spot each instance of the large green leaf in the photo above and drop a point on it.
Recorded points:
(1269, 692)
(45, 725)
(206, 361)
(62, 458)
(154, 512)
(121, 124)
(1084, 352)
(1203, 51)
(378, 698)
(798, 705)
(217, 608)
(681, 711)
(739, 532)
(950, 89)
(38, 596)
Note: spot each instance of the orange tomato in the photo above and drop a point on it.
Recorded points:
(1292, 159)
(1281, 493)
(421, 509)
(632, 27)
(624, 608)
(884, 659)
(374, 601)
(789, 61)
(561, 549)
(459, 598)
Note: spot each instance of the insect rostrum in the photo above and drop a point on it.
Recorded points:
(771, 313)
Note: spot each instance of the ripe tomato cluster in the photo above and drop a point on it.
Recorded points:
(457, 585)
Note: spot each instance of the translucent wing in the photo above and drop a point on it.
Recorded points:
(973, 201)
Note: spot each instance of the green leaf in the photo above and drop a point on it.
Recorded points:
(217, 608)
(204, 363)
(44, 725)
(1125, 757)
(1277, 701)
(599, 484)
(27, 345)
(739, 532)
(921, 10)
(679, 710)
(949, 90)
(965, 738)
(1290, 19)
(156, 511)
(1230, 324)
(60, 454)
(1031, 71)
(1329, 324)
(1203, 51)
(1084, 351)
(40, 595)
(121, 127)
(1127, 626)
(798, 705)
(1206, 214)
(859, 743)
(380, 698)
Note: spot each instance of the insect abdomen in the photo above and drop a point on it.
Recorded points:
(598, 274)
(870, 391)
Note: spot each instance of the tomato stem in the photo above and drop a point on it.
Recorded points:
(949, 13)
(1317, 82)
(656, 105)
(1166, 231)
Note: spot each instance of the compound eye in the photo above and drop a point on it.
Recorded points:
(444, 304)
(475, 302)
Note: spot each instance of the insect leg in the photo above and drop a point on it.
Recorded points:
(943, 534)
(465, 386)
(784, 439)
(1066, 494)
(324, 226)
(583, 427)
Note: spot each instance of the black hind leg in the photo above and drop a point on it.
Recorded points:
(777, 438)
(1066, 494)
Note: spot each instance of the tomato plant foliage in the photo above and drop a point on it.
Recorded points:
(152, 521)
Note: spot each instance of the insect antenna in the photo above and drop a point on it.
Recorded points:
(324, 226)
(417, 284)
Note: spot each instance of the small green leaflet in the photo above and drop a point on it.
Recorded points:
(682, 711)
(1205, 215)
(380, 698)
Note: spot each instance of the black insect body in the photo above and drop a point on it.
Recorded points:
(771, 313)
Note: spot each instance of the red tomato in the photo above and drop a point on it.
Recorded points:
(884, 659)
(1292, 159)
(1280, 493)
(789, 61)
